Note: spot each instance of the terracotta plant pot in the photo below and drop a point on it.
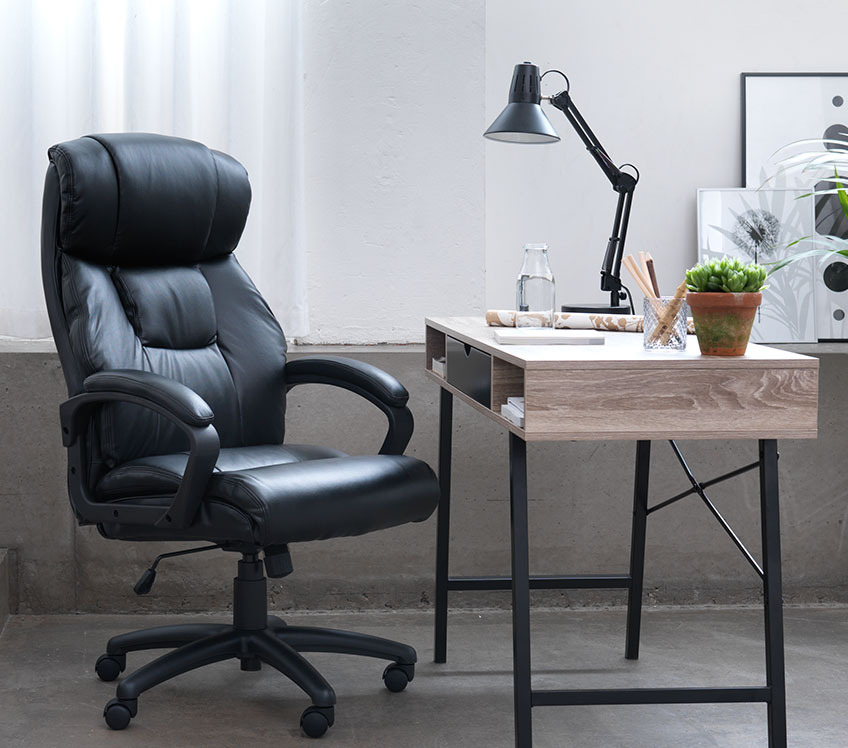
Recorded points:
(723, 321)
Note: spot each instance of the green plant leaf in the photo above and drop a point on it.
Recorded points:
(808, 141)
(819, 251)
(814, 193)
(843, 198)
(831, 156)
(833, 180)
(814, 157)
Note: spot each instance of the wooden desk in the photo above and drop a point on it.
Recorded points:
(620, 391)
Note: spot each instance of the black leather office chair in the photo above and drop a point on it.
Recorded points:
(177, 378)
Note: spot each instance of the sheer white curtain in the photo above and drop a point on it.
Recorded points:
(225, 72)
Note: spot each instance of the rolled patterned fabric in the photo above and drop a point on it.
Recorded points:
(573, 321)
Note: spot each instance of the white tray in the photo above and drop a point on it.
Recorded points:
(547, 336)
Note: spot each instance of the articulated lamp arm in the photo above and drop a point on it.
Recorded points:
(622, 182)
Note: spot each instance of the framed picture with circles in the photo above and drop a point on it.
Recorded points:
(783, 108)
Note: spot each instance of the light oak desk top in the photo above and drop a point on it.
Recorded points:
(620, 391)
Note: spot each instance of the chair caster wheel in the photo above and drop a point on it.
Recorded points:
(117, 715)
(396, 676)
(108, 667)
(316, 720)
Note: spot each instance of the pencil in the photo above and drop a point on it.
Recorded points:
(643, 283)
(653, 275)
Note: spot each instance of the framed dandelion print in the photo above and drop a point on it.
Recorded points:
(758, 226)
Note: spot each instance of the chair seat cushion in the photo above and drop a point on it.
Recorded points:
(272, 494)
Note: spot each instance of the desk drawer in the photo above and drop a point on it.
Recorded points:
(469, 370)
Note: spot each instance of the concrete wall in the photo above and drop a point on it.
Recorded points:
(579, 510)
(6, 604)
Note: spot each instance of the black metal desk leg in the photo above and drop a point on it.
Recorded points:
(520, 591)
(637, 549)
(443, 525)
(772, 593)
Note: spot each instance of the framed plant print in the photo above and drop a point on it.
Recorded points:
(757, 226)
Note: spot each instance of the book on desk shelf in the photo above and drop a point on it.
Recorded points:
(513, 411)
(547, 336)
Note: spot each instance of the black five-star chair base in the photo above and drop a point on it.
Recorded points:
(253, 638)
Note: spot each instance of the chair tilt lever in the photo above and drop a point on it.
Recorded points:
(145, 582)
(278, 561)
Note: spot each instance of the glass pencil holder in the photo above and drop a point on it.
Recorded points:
(664, 324)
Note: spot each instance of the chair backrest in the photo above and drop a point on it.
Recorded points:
(138, 232)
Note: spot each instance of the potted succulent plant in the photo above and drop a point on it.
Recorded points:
(723, 296)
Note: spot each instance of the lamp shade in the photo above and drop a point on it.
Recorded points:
(523, 121)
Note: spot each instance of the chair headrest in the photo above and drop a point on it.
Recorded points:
(144, 199)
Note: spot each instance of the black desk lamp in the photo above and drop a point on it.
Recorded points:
(523, 121)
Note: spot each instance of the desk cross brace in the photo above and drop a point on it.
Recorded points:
(698, 488)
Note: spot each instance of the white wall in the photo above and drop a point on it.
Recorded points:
(394, 166)
(658, 82)
(411, 212)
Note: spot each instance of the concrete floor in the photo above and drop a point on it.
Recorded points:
(49, 695)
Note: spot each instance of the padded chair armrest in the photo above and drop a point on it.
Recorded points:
(170, 399)
(365, 380)
(170, 394)
(342, 372)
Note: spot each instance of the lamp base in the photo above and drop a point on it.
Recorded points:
(596, 309)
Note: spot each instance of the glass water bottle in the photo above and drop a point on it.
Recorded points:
(535, 290)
